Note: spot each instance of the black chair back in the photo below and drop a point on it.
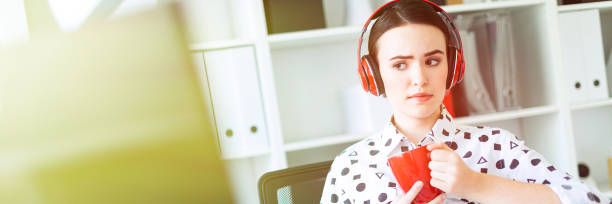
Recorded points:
(301, 184)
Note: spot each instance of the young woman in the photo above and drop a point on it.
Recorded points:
(415, 57)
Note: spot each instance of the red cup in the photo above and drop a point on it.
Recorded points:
(412, 166)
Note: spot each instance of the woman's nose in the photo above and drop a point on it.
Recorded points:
(418, 75)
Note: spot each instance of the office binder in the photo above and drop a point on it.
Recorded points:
(582, 51)
(238, 109)
(474, 97)
(503, 64)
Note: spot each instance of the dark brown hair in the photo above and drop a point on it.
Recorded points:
(402, 12)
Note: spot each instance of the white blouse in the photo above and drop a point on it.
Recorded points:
(361, 174)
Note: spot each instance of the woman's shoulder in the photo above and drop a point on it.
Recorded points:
(358, 149)
(360, 145)
(484, 133)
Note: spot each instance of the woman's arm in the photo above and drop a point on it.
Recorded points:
(450, 174)
(495, 189)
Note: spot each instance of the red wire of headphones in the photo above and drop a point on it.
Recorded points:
(371, 80)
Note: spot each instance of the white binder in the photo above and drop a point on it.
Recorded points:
(582, 51)
(594, 60)
(236, 100)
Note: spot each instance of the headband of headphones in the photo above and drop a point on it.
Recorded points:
(371, 80)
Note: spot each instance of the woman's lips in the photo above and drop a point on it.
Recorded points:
(420, 97)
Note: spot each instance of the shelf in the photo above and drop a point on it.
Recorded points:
(330, 35)
(219, 45)
(317, 36)
(604, 5)
(594, 104)
(326, 141)
(507, 115)
(243, 155)
(463, 8)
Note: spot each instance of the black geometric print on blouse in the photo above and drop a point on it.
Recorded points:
(531, 180)
(483, 138)
(457, 131)
(545, 182)
(467, 154)
(567, 187)
(551, 168)
(392, 185)
(535, 162)
(467, 135)
(444, 132)
(352, 154)
(372, 165)
(525, 150)
(514, 164)
(482, 160)
(497, 147)
(371, 143)
(500, 164)
(388, 142)
(483, 170)
(471, 203)
(567, 178)
(448, 118)
(404, 148)
(353, 162)
(374, 152)
(480, 127)
(382, 197)
(513, 145)
(345, 171)
(451, 144)
(593, 197)
(380, 175)
(465, 200)
(366, 202)
(347, 201)
(360, 187)
(334, 198)
(343, 192)
(333, 181)
(495, 132)
(396, 131)
(358, 176)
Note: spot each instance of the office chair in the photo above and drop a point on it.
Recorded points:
(301, 184)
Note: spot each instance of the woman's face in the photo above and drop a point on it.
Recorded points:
(413, 67)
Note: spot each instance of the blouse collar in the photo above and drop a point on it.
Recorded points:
(443, 130)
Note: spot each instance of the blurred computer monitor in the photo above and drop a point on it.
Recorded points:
(112, 113)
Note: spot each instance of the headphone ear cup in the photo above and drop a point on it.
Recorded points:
(456, 68)
(370, 85)
(378, 84)
(365, 84)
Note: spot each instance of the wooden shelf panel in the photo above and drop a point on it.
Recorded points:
(309, 37)
(219, 45)
(463, 8)
(322, 142)
(594, 104)
(604, 5)
(330, 35)
(507, 115)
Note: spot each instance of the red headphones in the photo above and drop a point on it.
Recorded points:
(371, 80)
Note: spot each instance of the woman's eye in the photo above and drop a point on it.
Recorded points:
(432, 62)
(399, 66)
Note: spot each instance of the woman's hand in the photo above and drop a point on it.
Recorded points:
(449, 173)
(413, 192)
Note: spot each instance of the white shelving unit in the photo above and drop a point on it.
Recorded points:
(302, 75)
